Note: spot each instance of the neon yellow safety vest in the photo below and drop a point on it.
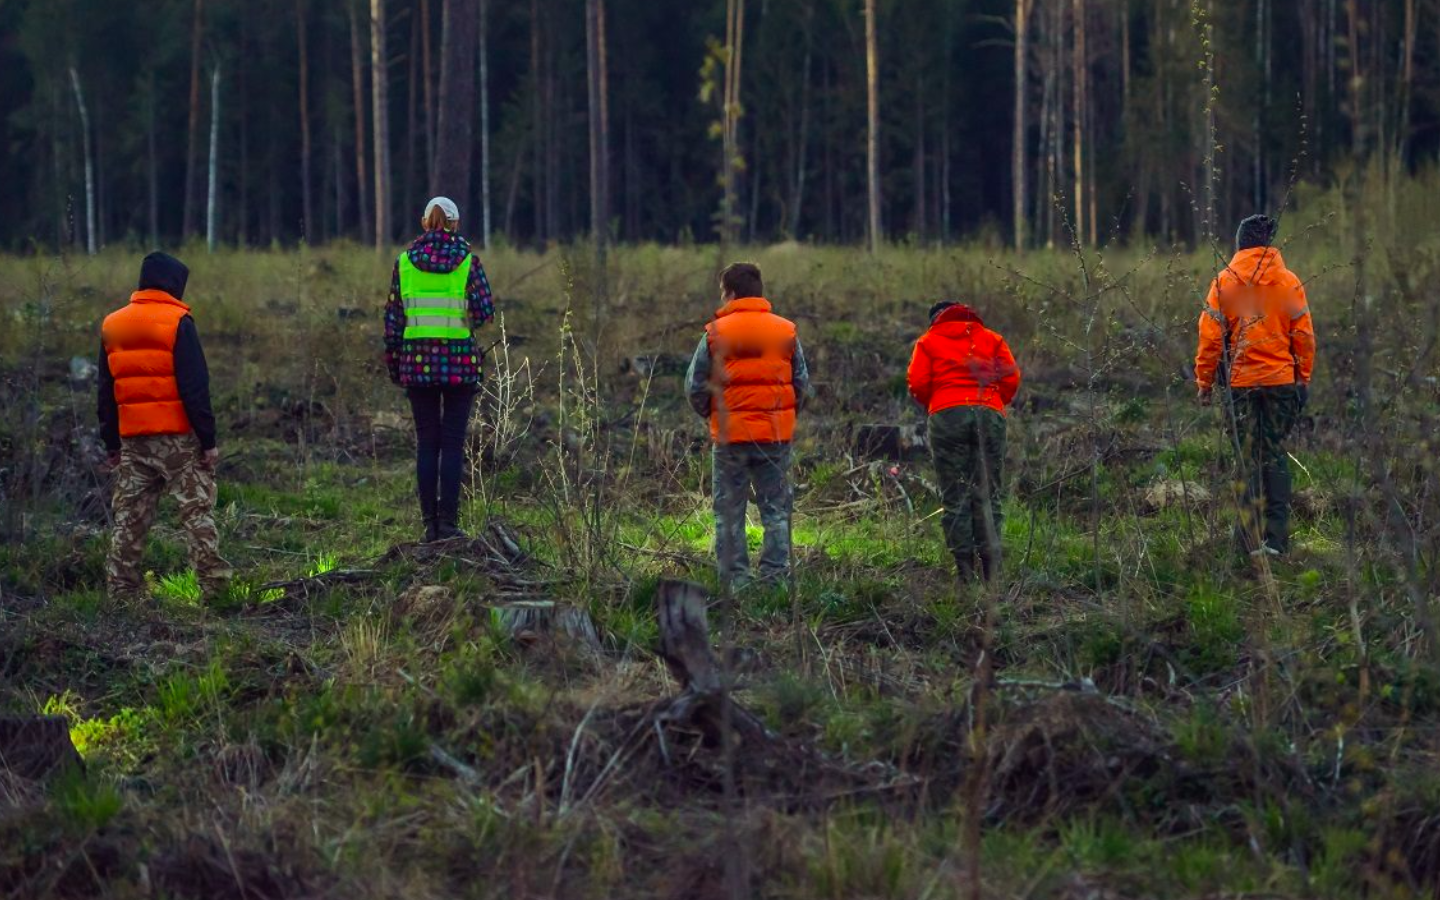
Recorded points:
(435, 304)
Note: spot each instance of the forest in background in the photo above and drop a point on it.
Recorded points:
(253, 122)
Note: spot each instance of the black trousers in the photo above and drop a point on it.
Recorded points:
(1263, 418)
(442, 417)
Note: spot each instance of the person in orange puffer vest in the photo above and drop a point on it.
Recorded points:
(964, 376)
(158, 428)
(1257, 339)
(748, 377)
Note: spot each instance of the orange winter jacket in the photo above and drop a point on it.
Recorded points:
(1257, 307)
(140, 347)
(752, 350)
(960, 362)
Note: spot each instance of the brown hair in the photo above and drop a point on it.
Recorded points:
(435, 220)
(742, 279)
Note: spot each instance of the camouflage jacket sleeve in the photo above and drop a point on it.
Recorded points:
(697, 379)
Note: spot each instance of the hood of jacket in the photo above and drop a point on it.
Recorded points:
(954, 321)
(1257, 265)
(163, 272)
(438, 251)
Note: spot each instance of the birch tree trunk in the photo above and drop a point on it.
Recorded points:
(357, 83)
(1017, 141)
(380, 97)
(537, 124)
(192, 147)
(1407, 85)
(90, 242)
(872, 106)
(306, 194)
(485, 123)
(212, 193)
(455, 120)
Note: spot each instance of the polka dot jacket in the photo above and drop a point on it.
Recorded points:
(437, 362)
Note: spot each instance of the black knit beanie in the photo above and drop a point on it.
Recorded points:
(1255, 231)
(940, 307)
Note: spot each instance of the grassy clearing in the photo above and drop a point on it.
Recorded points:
(382, 737)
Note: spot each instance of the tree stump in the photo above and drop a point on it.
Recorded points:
(685, 635)
(34, 746)
(527, 620)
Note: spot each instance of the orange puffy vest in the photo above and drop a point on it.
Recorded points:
(751, 352)
(140, 347)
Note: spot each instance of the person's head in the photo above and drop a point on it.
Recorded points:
(163, 272)
(940, 307)
(1255, 231)
(741, 279)
(441, 213)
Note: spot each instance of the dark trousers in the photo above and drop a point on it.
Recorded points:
(967, 444)
(442, 416)
(1263, 418)
(737, 469)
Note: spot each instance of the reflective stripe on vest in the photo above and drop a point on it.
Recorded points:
(435, 304)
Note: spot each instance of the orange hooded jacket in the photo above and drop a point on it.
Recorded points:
(1258, 307)
(139, 343)
(960, 362)
(753, 350)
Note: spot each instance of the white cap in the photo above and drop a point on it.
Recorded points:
(452, 212)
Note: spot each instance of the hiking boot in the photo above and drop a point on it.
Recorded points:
(1264, 550)
(989, 567)
(432, 530)
(964, 569)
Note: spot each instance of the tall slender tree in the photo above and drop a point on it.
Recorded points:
(380, 95)
(872, 107)
(90, 238)
(599, 125)
(455, 124)
(357, 87)
(484, 43)
(193, 132)
(1017, 140)
(306, 194)
(212, 191)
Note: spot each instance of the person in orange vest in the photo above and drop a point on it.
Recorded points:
(1257, 340)
(748, 377)
(964, 376)
(158, 428)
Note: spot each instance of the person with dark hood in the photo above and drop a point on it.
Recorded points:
(158, 427)
(1258, 342)
(438, 297)
(965, 376)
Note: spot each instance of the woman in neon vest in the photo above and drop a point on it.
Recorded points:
(438, 297)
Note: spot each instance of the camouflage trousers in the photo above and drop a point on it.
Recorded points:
(967, 445)
(1262, 418)
(151, 467)
(737, 469)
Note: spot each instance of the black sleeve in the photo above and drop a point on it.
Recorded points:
(192, 378)
(105, 406)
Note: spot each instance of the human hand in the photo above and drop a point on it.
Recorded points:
(1204, 395)
(112, 461)
(209, 459)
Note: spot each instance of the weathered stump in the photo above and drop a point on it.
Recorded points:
(526, 621)
(35, 746)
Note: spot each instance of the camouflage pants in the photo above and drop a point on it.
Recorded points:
(738, 468)
(151, 467)
(967, 444)
(1263, 418)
